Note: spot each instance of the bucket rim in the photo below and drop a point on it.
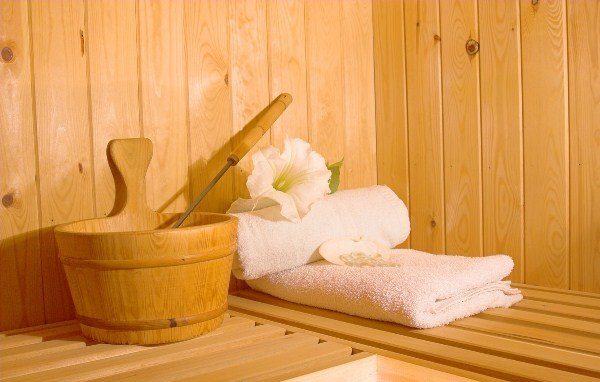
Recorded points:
(63, 228)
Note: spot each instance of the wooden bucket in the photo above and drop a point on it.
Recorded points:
(133, 279)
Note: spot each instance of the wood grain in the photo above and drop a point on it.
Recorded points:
(287, 66)
(249, 76)
(502, 131)
(390, 98)
(207, 37)
(423, 68)
(164, 101)
(461, 121)
(21, 298)
(63, 135)
(545, 140)
(584, 101)
(113, 77)
(325, 86)
(360, 158)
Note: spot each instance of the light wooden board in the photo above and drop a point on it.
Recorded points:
(21, 296)
(461, 121)
(113, 80)
(287, 67)
(424, 95)
(545, 141)
(360, 169)
(325, 86)
(164, 103)
(584, 102)
(249, 76)
(390, 98)
(502, 131)
(63, 135)
(242, 348)
(207, 34)
(507, 349)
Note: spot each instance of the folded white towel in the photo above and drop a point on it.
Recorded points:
(267, 244)
(423, 291)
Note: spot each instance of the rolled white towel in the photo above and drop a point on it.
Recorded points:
(423, 291)
(268, 244)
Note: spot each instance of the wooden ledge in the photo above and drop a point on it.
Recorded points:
(552, 335)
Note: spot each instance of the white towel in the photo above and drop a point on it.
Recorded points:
(423, 291)
(267, 244)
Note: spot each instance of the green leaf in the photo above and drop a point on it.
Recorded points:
(334, 182)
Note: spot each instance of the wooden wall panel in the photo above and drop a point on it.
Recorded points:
(501, 135)
(21, 297)
(164, 101)
(584, 101)
(461, 121)
(63, 135)
(423, 67)
(113, 73)
(546, 145)
(325, 79)
(390, 98)
(207, 36)
(249, 76)
(488, 151)
(287, 66)
(360, 156)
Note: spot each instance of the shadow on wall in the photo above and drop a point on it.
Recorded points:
(36, 251)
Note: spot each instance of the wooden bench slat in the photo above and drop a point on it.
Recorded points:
(273, 366)
(489, 342)
(557, 291)
(417, 347)
(573, 324)
(355, 368)
(217, 361)
(531, 333)
(222, 340)
(65, 358)
(576, 312)
(38, 349)
(17, 340)
(574, 300)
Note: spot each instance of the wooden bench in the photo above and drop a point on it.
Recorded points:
(241, 349)
(552, 335)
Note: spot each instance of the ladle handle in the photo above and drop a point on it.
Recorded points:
(129, 160)
(259, 125)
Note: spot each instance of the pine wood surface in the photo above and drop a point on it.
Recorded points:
(241, 349)
(552, 335)
(493, 153)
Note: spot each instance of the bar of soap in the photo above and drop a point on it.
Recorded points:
(336, 251)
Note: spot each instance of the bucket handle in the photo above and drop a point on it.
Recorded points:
(129, 160)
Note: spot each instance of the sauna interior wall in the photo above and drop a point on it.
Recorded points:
(493, 152)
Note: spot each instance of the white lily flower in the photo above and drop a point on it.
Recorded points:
(293, 179)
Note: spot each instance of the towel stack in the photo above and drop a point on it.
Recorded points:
(421, 290)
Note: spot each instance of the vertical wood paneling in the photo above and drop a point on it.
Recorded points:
(584, 101)
(390, 97)
(207, 36)
(425, 125)
(325, 79)
(360, 158)
(545, 142)
(113, 75)
(21, 298)
(461, 121)
(164, 101)
(501, 131)
(249, 74)
(287, 66)
(63, 135)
